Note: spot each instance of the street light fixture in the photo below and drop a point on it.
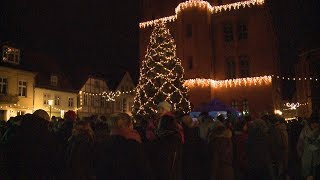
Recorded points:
(50, 102)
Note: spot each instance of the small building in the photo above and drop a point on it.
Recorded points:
(54, 94)
(125, 87)
(16, 85)
(92, 98)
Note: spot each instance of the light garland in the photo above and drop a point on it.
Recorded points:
(294, 106)
(156, 21)
(250, 81)
(203, 5)
(109, 96)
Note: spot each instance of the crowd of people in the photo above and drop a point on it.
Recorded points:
(168, 146)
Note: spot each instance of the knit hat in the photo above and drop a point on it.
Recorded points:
(165, 105)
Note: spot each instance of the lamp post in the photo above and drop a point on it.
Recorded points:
(50, 102)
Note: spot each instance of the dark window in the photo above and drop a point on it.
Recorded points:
(234, 104)
(3, 85)
(22, 87)
(230, 68)
(189, 30)
(190, 62)
(242, 31)
(228, 32)
(124, 105)
(245, 107)
(244, 66)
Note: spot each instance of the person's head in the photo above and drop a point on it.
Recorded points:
(314, 121)
(205, 119)
(82, 127)
(120, 121)
(164, 107)
(70, 116)
(168, 122)
(241, 125)
(187, 120)
(42, 114)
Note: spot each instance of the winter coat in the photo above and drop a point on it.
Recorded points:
(120, 157)
(80, 157)
(29, 150)
(281, 129)
(195, 155)
(165, 154)
(240, 142)
(220, 154)
(151, 127)
(309, 148)
(259, 151)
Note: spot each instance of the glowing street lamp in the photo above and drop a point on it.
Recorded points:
(50, 102)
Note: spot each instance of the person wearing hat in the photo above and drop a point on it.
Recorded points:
(163, 108)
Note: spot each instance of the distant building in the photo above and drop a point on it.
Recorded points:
(124, 102)
(54, 89)
(16, 85)
(308, 82)
(91, 99)
(102, 95)
(230, 41)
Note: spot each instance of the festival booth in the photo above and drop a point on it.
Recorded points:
(214, 109)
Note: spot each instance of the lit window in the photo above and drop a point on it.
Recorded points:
(3, 85)
(22, 87)
(11, 55)
(230, 68)
(54, 80)
(189, 30)
(70, 102)
(46, 98)
(244, 66)
(56, 100)
(228, 32)
(242, 31)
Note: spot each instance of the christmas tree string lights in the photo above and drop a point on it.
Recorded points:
(161, 76)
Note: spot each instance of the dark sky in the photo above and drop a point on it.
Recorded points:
(104, 33)
(99, 32)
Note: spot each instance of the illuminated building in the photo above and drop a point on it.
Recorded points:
(230, 45)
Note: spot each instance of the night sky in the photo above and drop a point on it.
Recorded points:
(100, 33)
(104, 33)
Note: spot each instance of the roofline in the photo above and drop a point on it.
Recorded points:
(22, 70)
(58, 90)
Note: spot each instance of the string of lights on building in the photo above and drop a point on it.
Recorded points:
(238, 82)
(203, 5)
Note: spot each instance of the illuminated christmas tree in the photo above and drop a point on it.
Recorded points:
(161, 76)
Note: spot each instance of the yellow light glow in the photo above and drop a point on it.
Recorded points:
(278, 112)
(50, 102)
(250, 81)
(203, 5)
